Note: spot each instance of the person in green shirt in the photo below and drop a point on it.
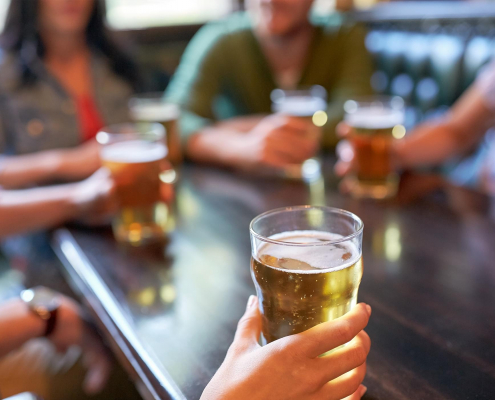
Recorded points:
(231, 66)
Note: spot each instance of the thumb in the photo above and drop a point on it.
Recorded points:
(249, 326)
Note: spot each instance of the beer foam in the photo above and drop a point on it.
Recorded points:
(133, 151)
(375, 118)
(299, 106)
(323, 257)
(153, 112)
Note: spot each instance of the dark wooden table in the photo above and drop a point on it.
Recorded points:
(170, 312)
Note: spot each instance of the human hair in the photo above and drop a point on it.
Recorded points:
(21, 37)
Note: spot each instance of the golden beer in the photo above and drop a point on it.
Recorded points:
(374, 126)
(154, 109)
(309, 104)
(136, 167)
(303, 287)
(372, 152)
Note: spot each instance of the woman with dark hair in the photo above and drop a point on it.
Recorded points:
(61, 80)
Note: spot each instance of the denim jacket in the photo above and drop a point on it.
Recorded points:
(43, 116)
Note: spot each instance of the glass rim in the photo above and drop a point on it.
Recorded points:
(370, 99)
(315, 91)
(334, 210)
(111, 131)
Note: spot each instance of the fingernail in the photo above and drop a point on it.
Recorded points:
(251, 302)
(363, 390)
(368, 308)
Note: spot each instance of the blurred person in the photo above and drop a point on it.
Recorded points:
(457, 134)
(230, 68)
(61, 80)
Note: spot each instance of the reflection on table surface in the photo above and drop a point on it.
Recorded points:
(428, 275)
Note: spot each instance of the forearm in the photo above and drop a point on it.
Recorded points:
(28, 170)
(214, 146)
(32, 209)
(17, 325)
(431, 144)
(221, 143)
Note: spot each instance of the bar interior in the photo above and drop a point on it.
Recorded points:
(247, 200)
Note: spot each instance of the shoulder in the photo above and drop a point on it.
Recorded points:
(222, 33)
(338, 26)
(106, 76)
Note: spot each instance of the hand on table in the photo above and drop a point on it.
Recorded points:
(290, 368)
(72, 330)
(278, 140)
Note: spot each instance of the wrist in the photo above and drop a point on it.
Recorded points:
(43, 304)
(30, 322)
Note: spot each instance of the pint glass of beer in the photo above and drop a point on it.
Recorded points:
(151, 107)
(306, 266)
(375, 123)
(308, 103)
(136, 154)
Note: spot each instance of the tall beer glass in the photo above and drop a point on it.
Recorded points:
(151, 107)
(306, 266)
(136, 156)
(376, 122)
(307, 103)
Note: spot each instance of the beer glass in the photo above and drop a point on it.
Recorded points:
(136, 154)
(151, 107)
(375, 123)
(306, 266)
(308, 103)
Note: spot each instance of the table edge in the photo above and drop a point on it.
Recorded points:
(86, 281)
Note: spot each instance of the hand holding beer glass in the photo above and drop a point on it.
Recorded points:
(291, 368)
(308, 105)
(136, 154)
(371, 125)
(306, 266)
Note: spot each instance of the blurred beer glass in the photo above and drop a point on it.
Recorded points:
(151, 107)
(136, 156)
(308, 103)
(306, 266)
(375, 122)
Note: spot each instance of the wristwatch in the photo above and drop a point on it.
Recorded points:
(45, 304)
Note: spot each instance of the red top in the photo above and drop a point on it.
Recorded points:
(90, 121)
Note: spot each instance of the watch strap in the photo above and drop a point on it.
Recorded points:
(51, 322)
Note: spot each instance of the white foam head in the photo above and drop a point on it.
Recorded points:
(322, 257)
(299, 106)
(154, 111)
(375, 118)
(133, 151)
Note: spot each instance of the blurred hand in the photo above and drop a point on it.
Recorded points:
(290, 368)
(95, 197)
(345, 151)
(279, 140)
(71, 330)
(80, 162)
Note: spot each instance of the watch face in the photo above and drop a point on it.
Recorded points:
(41, 297)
